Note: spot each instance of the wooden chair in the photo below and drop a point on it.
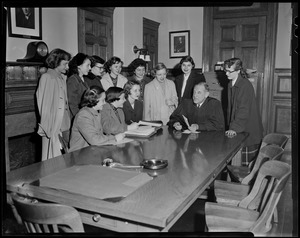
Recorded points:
(271, 179)
(233, 192)
(47, 217)
(238, 173)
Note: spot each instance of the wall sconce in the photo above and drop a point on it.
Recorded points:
(219, 66)
(143, 53)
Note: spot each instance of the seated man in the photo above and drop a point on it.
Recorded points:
(203, 113)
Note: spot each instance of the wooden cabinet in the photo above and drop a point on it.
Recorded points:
(21, 80)
(20, 84)
(215, 90)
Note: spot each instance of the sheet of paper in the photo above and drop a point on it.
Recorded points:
(96, 181)
(186, 121)
(189, 132)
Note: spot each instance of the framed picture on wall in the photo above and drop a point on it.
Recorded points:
(179, 44)
(25, 22)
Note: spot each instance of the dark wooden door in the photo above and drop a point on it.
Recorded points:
(150, 40)
(95, 27)
(247, 32)
(244, 38)
(241, 37)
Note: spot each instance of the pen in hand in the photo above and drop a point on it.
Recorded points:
(186, 121)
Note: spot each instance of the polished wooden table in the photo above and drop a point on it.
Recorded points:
(194, 160)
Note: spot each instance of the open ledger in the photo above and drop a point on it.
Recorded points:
(141, 131)
(150, 123)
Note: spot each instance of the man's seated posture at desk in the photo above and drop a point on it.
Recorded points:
(201, 113)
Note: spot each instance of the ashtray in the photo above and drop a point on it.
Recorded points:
(154, 164)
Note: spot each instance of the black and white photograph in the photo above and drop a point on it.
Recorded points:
(157, 119)
(25, 22)
(179, 44)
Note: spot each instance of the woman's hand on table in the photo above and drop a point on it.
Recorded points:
(119, 136)
(132, 126)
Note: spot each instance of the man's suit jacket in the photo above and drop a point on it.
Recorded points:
(209, 117)
(193, 79)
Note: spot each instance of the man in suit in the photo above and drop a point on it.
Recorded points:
(203, 113)
(25, 17)
(186, 81)
(179, 44)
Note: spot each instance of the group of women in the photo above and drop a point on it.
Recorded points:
(83, 100)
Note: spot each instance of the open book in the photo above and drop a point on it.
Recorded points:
(141, 131)
(150, 123)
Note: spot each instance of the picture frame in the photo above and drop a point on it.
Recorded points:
(25, 22)
(179, 43)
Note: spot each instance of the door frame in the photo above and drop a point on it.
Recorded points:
(269, 62)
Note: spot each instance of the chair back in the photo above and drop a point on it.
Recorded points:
(275, 139)
(47, 217)
(272, 178)
(268, 152)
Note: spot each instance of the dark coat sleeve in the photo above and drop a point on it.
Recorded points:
(182, 109)
(211, 117)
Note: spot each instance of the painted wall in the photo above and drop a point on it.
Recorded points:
(55, 21)
(131, 19)
(170, 19)
(59, 30)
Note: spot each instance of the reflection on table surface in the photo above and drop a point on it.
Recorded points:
(193, 161)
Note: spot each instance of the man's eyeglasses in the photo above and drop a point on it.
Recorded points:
(228, 71)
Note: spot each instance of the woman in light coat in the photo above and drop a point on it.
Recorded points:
(52, 102)
(160, 97)
(113, 78)
(87, 127)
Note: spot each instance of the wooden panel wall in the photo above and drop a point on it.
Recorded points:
(281, 119)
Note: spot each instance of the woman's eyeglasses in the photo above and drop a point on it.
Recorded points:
(228, 71)
(99, 67)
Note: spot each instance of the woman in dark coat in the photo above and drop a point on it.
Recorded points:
(242, 113)
(79, 65)
(186, 81)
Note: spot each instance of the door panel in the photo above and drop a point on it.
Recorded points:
(240, 37)
(150, 40)
(95, 31)
(243, 38)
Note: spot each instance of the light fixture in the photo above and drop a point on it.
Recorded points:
(143, 53)
(219, 66)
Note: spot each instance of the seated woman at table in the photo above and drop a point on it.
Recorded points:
(160, 97)
(203, 113)
(87, 128)
(133, 107)
(112, 116)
